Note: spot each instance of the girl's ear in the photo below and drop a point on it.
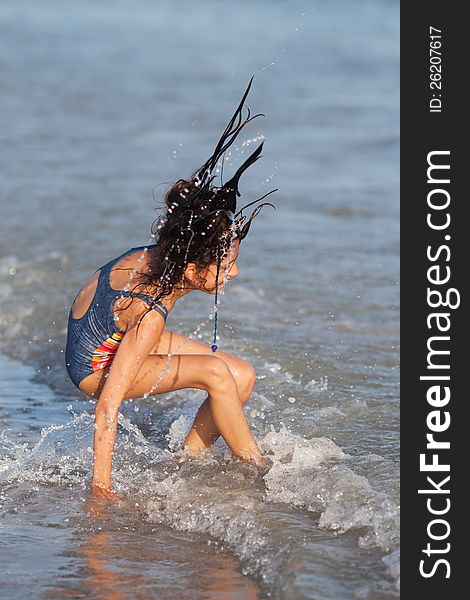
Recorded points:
(190, 271)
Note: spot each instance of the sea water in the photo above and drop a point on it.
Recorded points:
(99, 105)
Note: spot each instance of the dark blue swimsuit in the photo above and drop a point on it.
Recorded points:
(93, 339)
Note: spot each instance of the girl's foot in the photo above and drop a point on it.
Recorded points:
(102, 491)
(258, 460)
(264, 462)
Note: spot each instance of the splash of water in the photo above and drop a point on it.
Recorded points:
(216, 494)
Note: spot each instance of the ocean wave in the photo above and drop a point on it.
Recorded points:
(217, 494)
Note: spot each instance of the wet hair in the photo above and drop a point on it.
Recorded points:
(200, 222)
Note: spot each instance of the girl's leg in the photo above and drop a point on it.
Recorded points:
(208, 373)
(204, 431)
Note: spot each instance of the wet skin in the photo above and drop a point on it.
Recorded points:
(142, 366)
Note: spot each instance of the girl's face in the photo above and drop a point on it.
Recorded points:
(228, 270)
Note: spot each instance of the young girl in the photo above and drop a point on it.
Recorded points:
(117, 344)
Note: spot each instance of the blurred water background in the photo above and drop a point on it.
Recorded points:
(99, 103)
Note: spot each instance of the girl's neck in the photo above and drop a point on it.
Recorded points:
(180, 289)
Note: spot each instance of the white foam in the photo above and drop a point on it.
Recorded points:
(301, 476)
(392, 561)
(178, 432)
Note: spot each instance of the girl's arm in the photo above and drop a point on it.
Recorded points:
(131, 354)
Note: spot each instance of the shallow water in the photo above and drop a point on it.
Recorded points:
(93, 118)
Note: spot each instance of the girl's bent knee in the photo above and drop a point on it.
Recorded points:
(218, 373)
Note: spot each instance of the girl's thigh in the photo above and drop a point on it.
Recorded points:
(175, 343)
(161, 374)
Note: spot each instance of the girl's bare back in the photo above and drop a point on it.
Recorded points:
(120, 278)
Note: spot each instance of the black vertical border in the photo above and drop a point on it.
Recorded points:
(421, 133)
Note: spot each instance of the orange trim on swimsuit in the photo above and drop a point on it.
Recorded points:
(103, 355)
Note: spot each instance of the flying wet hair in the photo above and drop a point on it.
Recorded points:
(201, 221)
